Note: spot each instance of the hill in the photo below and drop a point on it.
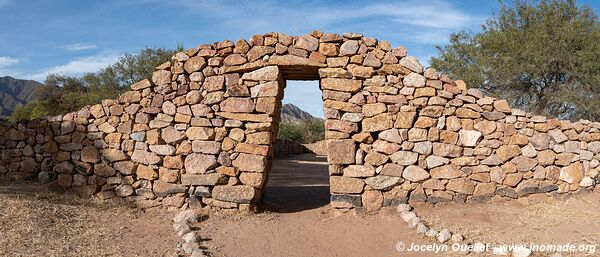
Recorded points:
(293, 114)
(14, 92)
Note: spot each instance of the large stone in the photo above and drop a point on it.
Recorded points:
(125, 167)
(171, 135)
(307, 43)
(200, 133)
(412, 63)
(349, 47)
(446, 172)
(404, 157)
(372, 200)
(393, 135)
(461, 185)
(104, 170)
(345, 185)
(540, 141)
(237, 104)
(238, 194)
(524, 164)
(250, 163)
(405, 119)
(259, 51)
(199, 163)
(433, 161)
(359, 171)
(195, 63)
(506, 152)
(270, 73)
(145, 172)
(502, 106)
(468, 137)
(379, 122)
(211, 179)
(90, 154)
(163, 189)
(572, 174)
(558, 136)
(446, 150)
(546, 157)
(341, 151)
(382, 182)
(148, 158)
(162, 149)
(415, 173)
(414, 80)
(340, 84)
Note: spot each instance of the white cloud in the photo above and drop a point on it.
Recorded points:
(421, 22)
(79, 46)
(78, 66)
(6, 61)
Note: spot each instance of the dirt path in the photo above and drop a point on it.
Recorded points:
(300, 222)
(37, 222)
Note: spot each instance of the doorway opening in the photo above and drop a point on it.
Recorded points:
(299, 178)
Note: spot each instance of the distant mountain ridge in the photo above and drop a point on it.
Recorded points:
(293, 114)
(14, 92)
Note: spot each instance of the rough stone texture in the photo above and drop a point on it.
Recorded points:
(201, 131)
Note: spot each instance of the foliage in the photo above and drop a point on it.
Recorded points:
(541, 56)
(64, 93)
(306, 132)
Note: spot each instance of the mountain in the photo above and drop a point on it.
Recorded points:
(14, 92)
(292, 114)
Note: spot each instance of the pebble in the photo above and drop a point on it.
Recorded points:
(190, 237)
(407, 215)
(444, 235)
(422, 228)
(186, 216)
(457, 238)
(403, 207)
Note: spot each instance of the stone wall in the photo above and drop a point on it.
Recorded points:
(201, 131)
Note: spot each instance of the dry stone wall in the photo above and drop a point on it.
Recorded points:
(201, 132)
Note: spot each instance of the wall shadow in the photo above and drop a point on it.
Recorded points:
(297, 183)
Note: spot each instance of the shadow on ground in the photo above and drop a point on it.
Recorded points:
(297, 183)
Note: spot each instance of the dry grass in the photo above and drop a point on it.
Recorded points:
(49, 224)
(540, 220)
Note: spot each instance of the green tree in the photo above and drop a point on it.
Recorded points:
(542, 56)
(64, 93)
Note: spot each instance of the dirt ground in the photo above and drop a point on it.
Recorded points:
(295, 220)
(538, 219)
(298, 222)
(38, 222)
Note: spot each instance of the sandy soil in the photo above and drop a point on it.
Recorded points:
(295, 220)
(535, 220)
(298, 221)
(37, 222)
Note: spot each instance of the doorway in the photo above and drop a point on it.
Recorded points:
(299, 178)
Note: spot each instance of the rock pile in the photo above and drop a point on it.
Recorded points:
(201, 131)
(182, 225)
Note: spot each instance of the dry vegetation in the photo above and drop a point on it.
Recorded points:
(44, 223)
(534, 220)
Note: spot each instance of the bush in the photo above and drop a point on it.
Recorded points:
(306, 133)
(64, 93)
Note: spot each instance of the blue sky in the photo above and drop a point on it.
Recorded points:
(73, 36)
